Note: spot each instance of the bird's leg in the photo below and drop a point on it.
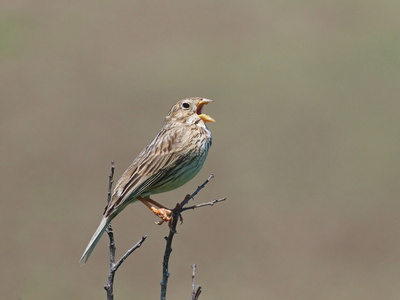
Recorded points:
(155, 203)
(162, 212)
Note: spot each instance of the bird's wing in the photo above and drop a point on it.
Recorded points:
(153, 162)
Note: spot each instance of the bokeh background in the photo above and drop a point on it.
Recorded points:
(306, 145)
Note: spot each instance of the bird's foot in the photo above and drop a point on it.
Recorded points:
(163, 213)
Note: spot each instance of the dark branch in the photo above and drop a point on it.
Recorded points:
(129, 252)
(109, 287)
(167, 253)
(199, 188)
(176, 213)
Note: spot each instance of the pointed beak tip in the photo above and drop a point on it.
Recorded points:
(204, 101)
(206, 118)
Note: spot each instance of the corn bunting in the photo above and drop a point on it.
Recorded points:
(174, 157)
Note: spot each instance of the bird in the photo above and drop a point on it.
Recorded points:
(172, 158)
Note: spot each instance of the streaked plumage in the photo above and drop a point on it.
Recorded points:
(174, 157)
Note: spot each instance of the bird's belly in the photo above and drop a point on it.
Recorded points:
(178, 176)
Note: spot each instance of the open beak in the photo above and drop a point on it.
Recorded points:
(204, 117)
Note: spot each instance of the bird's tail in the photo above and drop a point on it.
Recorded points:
(95, 239)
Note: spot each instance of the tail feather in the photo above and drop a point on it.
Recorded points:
(95, 239)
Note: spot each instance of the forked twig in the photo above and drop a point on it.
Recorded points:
(109, 287)
(199, 188)
(176, 213)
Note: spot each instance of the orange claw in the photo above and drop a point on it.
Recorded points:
(164, 214)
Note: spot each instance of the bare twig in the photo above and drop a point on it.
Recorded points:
(129, 252)
(195, 293)
(176, 213)
(167, 253)
(109, 287)
(199, 188)
(211, 203)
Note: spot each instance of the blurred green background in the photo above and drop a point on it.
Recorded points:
(306, 145)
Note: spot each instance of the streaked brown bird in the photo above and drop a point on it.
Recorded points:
(173, 158)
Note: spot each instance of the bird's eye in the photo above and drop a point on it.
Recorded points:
(185, 105)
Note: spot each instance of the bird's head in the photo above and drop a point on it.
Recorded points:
(189, 111)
